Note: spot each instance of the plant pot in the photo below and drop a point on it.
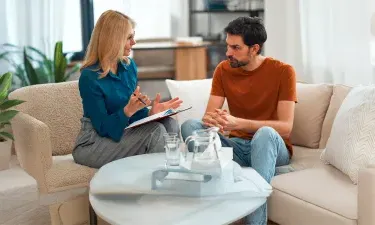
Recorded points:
(5, 153)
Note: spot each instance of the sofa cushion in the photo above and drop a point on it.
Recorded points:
(339, 94)
(66, 174)
(325, 187)
(313, 101)
(195, 93)
(351, 144)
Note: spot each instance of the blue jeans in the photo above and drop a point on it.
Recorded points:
(264, 152)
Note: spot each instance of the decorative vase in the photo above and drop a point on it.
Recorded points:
(5, 154)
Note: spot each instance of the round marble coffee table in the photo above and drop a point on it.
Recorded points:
(159, 209)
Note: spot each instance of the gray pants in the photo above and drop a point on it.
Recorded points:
(95, 151)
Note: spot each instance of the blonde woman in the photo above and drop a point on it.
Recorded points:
(112, 100)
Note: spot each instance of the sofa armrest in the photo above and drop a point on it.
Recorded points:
(366, 196)
(33, 147)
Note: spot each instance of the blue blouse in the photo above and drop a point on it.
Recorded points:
(104, 99)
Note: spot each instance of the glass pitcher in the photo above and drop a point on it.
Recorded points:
(204, 144)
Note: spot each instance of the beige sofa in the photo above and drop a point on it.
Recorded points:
(309, 193)
(318, 193)
(313, 193)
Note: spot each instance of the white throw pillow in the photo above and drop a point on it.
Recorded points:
(194, 93)
(351, 145)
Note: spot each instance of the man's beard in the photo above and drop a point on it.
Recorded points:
(234, 63)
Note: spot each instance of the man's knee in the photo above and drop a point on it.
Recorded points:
(189, 126)
(265, 134)
(264, 141)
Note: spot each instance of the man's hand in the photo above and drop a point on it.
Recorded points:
(221, 119)
(226, 121)
(209, 119)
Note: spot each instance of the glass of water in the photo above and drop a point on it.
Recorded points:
(172, 151)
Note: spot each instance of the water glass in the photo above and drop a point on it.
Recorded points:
(172, 151)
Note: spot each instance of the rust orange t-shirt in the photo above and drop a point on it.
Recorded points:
(254, 95)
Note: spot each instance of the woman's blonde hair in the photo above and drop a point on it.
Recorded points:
(108, 41)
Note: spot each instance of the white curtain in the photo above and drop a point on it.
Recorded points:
(336, 41)
(282, 22)
(38, 23)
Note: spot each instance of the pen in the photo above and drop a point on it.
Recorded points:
(140, 100)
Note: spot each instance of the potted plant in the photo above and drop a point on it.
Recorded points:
(6, 114)
(31, 66)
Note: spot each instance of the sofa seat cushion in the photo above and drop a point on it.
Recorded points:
(303, 158)
(66, 174)
(325, 187)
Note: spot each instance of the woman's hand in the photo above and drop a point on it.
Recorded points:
(135, 104)
(157, 106)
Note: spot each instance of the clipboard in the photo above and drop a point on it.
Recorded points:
(156, 117)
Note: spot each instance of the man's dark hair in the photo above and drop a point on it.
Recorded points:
(251, 29)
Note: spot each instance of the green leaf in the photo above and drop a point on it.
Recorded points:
(30, 71)
(10, 103)
(41, 54)
(21, 75)
(6, 116)
(43, 75)
(2, 125)
(6, 53)
(5, 83)
(49, 65)
(60, 63)
(33, 59)
(11, 45)
(7, 135)
(9, 60)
